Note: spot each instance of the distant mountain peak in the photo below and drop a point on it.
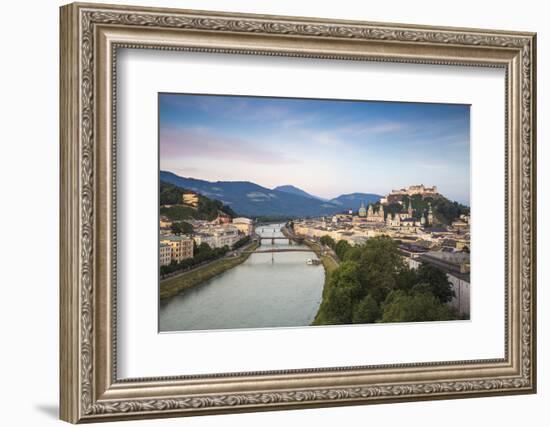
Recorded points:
(292, 189)
(250, 199)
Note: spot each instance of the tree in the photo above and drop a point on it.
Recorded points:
(327, 241)
(367, 311)
(207, 209)
(380, 264)
(406, 279)
(416, 307)
(181, 228)
(342, 292)
(437, 281)
(241, 242)
(373, 284)
(341, 248)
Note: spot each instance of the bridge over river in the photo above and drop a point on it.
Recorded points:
(290, 237)
(267, 251)
(290, 293)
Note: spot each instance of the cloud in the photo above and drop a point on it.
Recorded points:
(383, 127)
(203, 143)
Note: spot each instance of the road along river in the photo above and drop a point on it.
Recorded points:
(267, 290)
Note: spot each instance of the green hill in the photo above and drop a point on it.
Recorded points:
(171, 206)
(445, 211)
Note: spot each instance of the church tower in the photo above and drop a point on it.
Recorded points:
(362, 210)
(430, 214)
(410, 211)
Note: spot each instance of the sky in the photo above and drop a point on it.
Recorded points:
(324, 147)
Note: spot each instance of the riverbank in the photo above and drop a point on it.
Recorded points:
(173, 286)
(330, 265)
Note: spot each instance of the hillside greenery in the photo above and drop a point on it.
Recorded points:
(207, 209)
(444, 210)
(372, 284)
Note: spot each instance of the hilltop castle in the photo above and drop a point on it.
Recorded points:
(413, 190)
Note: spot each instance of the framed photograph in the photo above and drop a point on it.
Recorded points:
(265, 212)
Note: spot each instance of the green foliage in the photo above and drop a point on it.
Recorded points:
(401, 306)
(367, 311)
(343, 291)
(328, 241)
(170, 194)
(207, 209)
(181, 228)
(372, 284)
(178, 212)
(444, 211)
(341, 248)
(447, 212)
(437, 282)
(241, 242)
(393, 208)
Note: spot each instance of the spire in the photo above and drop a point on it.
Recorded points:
(430, 214)
(362, 209)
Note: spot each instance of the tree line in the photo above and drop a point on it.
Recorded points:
(374, 285)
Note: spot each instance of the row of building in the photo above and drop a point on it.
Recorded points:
(446, 247)
(223, 231)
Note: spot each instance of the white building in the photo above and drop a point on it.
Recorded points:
(217, 237)
(244, 225)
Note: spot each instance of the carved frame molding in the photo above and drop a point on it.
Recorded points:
(90, 36)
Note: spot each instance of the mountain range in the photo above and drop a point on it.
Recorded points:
(291, 189)
(250, 199)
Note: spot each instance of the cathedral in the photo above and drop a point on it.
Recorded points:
(406, 219)
(370, 215)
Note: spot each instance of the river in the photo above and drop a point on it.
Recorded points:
(267, 290)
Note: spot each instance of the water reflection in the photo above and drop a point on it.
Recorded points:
(267, 290)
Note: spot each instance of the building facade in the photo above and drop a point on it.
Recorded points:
(191, 199)
(165, 254)
(375, 216)
(244, 225)
(217, 237)
(181, 247)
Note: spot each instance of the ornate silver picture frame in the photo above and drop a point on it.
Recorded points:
(91, 35)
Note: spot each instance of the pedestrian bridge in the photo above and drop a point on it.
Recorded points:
(268, 251)
(273, 239)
